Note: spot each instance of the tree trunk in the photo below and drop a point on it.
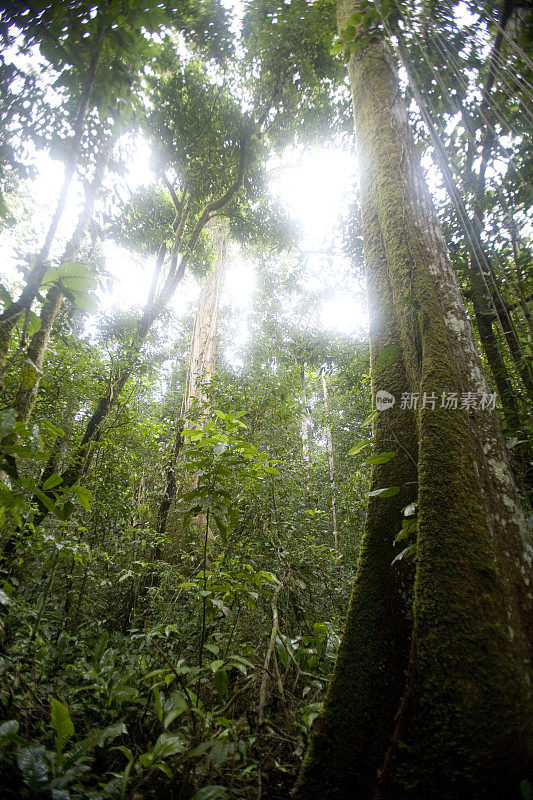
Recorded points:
(201, 366)
(304, 429)
(329, 444)
(484, 301)
(452, 722)
(204, 338)
(32, 370)
(11, 315)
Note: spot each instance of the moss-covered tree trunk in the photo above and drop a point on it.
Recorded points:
(430, 696)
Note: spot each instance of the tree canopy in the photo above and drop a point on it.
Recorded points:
(260, 536)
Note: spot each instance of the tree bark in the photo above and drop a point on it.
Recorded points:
(450, 719)
(201, 366)
(304, 431)
(332, 486)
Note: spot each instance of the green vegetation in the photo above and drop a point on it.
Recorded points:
(226, 572)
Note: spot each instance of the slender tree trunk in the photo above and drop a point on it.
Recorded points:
(11, 315)
(204, 339)
(201, 366)
(484, 301)
(449, 720)
(329, 444)
(304, 429)
(32, 370)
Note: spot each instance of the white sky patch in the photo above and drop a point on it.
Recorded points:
(314, 186)
(345, 313)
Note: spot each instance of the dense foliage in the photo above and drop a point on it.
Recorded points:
(187, 655)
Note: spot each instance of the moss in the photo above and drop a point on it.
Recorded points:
(463, 710)
(6, 330)
(352, 735)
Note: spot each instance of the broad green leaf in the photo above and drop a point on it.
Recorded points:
(380, 458)
(168, 744)
(389, 491)
(409, 552)
(8, 421)
(34, 324)
(358, 447)
(72, 276)
(55, 430)
(60, 720)
(86, 302)
(47, 502)
(386, 357)
(52, 482)
(321, 631)
(83, 496)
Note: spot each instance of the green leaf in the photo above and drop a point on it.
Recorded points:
(55, 430)
(321, 631)
(349, 33)
(52, 482)
(9, 728)
(72, 276)
(380, 458)
(168, 744)
(177, 702)
(369, 420)
(83, 496)
(8, 732)
(358, 447)
(337, 47)
(158, 706)
(220, 679)
(5, 600)
(60, 720)
(283, 654)
(409, 526)
(409, 552)
(47, 502)
(86, 302)
(389, 491)
(386, 357)
(34, 324)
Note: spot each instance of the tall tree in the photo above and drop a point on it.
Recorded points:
(201, 367)
(431, 684)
